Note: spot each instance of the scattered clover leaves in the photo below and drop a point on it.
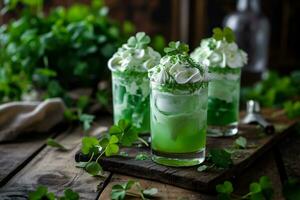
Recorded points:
(140, 40)
(224, 190)
(53, 143)
(120, 191)
(220, 158)
(175, 48)
(41, 193)
(225, 34)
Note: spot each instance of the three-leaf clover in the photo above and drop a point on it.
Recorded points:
(224, 190)
(221, 158)
(125, 131)
(241, 142)
(119, 190)
(225, 34)
(41, 193)
(90, 145)
(176, 48)
(69, 195)
(110, 145)
(140, 40)
(86, 121)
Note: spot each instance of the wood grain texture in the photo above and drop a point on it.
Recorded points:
(56, 170)
(165, 192)
(189, 177)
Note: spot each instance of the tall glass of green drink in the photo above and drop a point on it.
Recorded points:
(130, 82)
(224, 61)
(178, 109)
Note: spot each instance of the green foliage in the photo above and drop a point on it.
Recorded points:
(278, 92)
(53, 143)
(175, 48)
(120, 191)
(291, 189)
(261, 190)
(142, 156)
(220, 158)
(241, 142)
(225, 34)
(90, 145)
(93, 168)
(66, 48)
(86, 121)
(125, 131)
(41, 193)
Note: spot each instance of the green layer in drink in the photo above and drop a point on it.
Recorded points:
(178, 121)
(131, 95)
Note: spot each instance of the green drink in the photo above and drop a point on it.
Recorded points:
(223, 103)
(130, 82)
(223, 60)
(131, 95)
(178, 112)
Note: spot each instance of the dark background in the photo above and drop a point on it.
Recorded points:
(191, 20)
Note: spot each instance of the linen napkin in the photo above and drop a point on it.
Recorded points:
(17, 118)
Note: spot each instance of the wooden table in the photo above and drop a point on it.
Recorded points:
(25, 164)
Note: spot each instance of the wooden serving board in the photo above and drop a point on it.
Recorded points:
(189, 177)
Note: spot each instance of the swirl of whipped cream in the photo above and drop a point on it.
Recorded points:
(213, 53)
(173, 69)
(133, 59)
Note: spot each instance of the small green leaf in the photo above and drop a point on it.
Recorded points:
(255, 188)
(53, 143)
(221, 158)
(217, 34)
(202, 168)
(241, 142)
(228, 34)
(225, 188)
(112, 148)
(89, 145)
(94, 168)
(70, 195)
(142, 156)
(118, 192)
(41, 193)
(86, 120)
(128, 185)
(150, 192)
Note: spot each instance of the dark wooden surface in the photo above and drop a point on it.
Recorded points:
(189, 177)
(26, 164)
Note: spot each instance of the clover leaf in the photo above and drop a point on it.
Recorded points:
(41, 193)
(112, 148)
(90, 145)
(119, 190)
(176, 48)
(86, 120)
(224, 190)
(69, 195)
(125, 131)
(140, 40)
(221, 158)
(53, 143)
(241, 142)
(142, 156)
(94, 168)
(225, 34)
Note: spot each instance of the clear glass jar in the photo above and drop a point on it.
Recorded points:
(178, 125)
(131, 98)
(223, 102)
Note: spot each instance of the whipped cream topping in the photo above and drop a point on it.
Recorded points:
(176, 69)
(213, 53)
(138, 57)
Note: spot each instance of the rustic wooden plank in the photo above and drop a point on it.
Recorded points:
(165, 192)
(56, 170)
(189, 177)
(16, 155)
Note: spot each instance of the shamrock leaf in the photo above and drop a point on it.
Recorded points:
(119, 190)
(176, 48)
(94, 168)
(41, 193)
(142, 156)
(241, 142)
(90, 145)
(112, 148)
(224, 190)
(225, 34)
(125, 131)
(140, 40)
(221, 158)
(86, 120)
(53, 143)
(70, 195)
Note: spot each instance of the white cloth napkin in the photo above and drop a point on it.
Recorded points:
(17, 118)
